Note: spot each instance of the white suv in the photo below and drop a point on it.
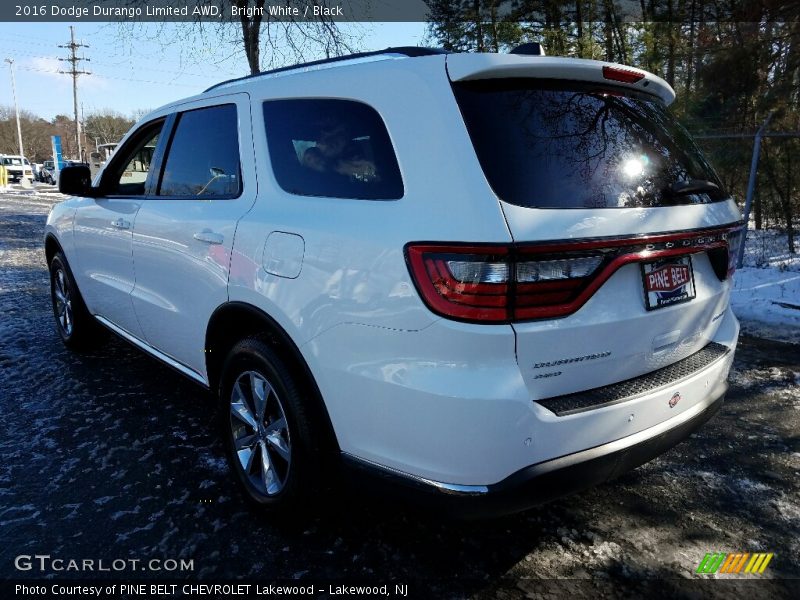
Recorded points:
(494, 278)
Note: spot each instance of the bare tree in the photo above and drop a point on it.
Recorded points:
(267, 39)
(107, 126)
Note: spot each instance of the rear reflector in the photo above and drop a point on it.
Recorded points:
(623, 75)
(501, 283)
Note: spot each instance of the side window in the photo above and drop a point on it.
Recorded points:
(336, 148)
(203, 156)
(128, 174)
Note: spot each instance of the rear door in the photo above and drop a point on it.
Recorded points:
(620, 225)
(183, 234)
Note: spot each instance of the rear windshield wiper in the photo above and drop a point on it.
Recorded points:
(693, 186)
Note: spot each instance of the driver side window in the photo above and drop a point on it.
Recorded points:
(133, 167)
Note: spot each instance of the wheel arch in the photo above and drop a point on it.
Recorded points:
(234, 321)
(51, 247)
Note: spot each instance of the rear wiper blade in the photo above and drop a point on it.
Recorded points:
(693, 186)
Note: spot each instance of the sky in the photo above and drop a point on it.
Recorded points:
(137, 69)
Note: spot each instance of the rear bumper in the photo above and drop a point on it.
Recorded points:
(548, 480)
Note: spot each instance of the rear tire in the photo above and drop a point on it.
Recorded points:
(271, 437)
(75, 325)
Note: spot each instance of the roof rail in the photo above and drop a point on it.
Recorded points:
(409, 51)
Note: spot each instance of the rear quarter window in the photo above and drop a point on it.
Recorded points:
(333, 148)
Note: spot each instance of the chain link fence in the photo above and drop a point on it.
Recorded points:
(769, 247)
(772, 233)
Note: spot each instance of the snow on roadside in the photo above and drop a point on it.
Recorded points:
(767, 303)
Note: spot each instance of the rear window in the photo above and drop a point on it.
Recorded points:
(548, 144)
(335, 148)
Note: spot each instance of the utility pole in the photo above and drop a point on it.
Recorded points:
(16, 108)
(74, 59)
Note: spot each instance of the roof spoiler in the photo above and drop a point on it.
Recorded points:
(469, 67)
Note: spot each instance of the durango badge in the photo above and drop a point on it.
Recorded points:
(676, 397)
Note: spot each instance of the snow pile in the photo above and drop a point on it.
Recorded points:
(766, 291)
(767, 302)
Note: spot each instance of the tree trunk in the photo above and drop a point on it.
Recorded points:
(670, 45)
(476, 7)
(495, 33)
(609, 32)
(251, 29)
(690, 60)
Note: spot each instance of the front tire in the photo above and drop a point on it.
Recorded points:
(268, 430)
(75, 325)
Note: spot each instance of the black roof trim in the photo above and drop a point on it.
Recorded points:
(409, 51)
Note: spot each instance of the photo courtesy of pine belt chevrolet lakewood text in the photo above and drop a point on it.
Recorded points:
(488, 280)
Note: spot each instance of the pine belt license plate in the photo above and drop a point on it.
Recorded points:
(668, 282)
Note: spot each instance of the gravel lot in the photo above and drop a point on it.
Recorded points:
(110, 455)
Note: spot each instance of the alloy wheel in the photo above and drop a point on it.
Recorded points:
(63, 302)
(260, 433)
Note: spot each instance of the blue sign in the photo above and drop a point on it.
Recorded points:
(58, 158)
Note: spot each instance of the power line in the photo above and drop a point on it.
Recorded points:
(101, 76)
(17, 52)
(74, 59)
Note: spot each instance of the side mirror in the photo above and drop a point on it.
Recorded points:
(75, 181)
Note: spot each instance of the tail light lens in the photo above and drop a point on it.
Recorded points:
(735, 240)
(466, 282)
(510, 282)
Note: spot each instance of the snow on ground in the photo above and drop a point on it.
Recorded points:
(767, 303)
(766, 291)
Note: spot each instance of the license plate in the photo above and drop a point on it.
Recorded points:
(668, 282)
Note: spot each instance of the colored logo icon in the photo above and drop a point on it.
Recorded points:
(739, 562)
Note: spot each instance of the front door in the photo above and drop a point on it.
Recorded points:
(103, 231)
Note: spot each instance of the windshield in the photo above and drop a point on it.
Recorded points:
(549, 144)
(12, 161)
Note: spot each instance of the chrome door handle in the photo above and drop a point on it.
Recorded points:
(121, 224)
(209, 237)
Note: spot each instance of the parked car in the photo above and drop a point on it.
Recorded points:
(492, 279)
(18, 167)
(48, 172)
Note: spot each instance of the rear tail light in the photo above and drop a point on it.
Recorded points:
(510, 282)
(557, 270)
(466, 282)
(735, 240)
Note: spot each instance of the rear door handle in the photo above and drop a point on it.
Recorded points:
(209, 237)
(121, 224)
